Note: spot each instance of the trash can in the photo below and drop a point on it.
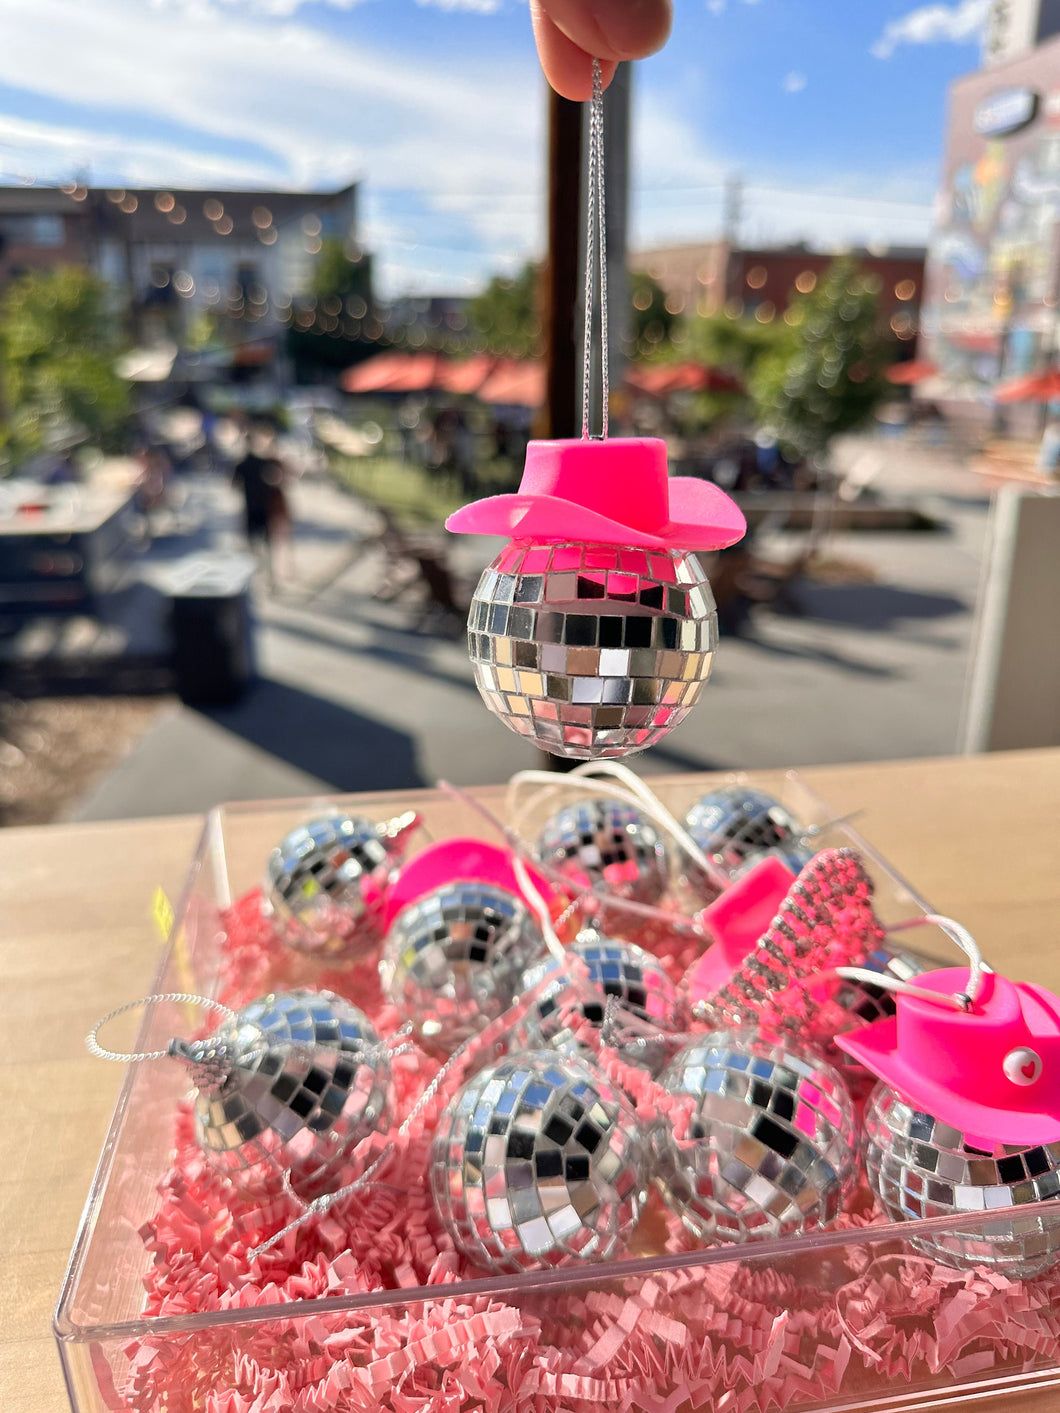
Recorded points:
(211, 626)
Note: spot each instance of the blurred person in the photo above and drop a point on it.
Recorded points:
(571, 33)
(154, 472)
(261, 477)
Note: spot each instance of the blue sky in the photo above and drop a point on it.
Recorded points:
(832, 112)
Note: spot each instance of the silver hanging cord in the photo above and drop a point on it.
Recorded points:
(595, 258)
(179, 998)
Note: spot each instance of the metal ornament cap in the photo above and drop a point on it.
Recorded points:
(611, 492)
(958, 1065)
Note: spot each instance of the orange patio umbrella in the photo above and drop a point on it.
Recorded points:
(913, 370)
(662, 379)
(514, 383)
(396, 372)
(1038, 387)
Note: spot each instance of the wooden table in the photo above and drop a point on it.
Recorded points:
(979, 837)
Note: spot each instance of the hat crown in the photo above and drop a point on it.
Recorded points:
(1004, 1052)
(624, 478)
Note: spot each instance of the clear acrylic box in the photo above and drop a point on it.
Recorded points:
(99, 1317)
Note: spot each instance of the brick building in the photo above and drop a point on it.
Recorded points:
(170, 252)
(716, 277)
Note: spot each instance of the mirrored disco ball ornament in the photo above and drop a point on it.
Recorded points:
(641, 989)
(919, 1166)
(592, 650)
(324, 881)
(539, 1162)
(453, 960)
(737, 825)
(771, 1150)
(293, 1082)
(603, 841)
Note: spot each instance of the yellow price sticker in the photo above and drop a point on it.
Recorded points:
(163, 916)
(162, 913)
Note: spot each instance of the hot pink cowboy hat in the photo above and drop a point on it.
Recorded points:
(992, 1071)
(458, 860)
(615, 492)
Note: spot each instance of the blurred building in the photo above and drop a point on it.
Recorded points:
(717, 277)
(1014, 27)
(169, 253)
(993, 275)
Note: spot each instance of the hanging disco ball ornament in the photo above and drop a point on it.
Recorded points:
(737, 825)
(605, 843)
(460, 936)
(325, 881)
(637, 981)
(539, 1162)
(771, 1146)
(966, 1119)
(291, 1083)
(594, 630)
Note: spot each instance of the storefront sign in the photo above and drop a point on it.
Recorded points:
(1004, 111)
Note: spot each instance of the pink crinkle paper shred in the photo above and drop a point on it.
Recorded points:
(738, 1336)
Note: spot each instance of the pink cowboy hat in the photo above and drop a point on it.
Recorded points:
(459, 860)
(993, 1071)
(616, 492)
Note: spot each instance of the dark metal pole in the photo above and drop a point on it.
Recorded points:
(561, 302)
(559, 416)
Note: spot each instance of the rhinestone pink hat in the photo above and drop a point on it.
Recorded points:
(992, 1071)
(612, 492)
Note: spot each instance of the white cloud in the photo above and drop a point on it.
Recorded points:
(933, 24)
(462, 145)
(54, 152)
(794, 82)
(479, 7)
(715, 6)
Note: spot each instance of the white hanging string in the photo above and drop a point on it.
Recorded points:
(961, 1001)
(595, 258)
(630, 791)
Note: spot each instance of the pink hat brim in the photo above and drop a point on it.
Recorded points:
(876, 1047)
(702, 517)
(457, 860)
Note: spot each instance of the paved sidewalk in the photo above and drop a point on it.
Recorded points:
(351, 697)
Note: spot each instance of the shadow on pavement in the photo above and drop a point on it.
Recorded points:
(385, 647)
(875, 606)
(349, 751)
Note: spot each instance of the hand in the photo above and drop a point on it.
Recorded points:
(571, 33)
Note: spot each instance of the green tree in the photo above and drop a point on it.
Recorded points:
(58, 344)
(652, 325)
(505, 315)
(827, 376)
(734, 345)
(341, 272)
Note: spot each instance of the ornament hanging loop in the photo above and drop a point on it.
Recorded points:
(595, 261)
(179, 998)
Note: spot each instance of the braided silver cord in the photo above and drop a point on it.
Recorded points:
(177, 997)
(595, 257)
